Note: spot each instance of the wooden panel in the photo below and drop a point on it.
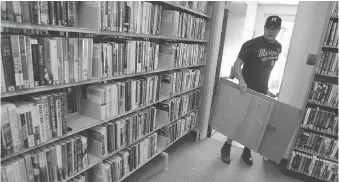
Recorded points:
(259, 122)
(281, 126)
(253, 127)
(230, 110)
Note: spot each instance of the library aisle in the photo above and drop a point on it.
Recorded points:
(200, 162)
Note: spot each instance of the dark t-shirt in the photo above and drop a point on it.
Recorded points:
(259, 57)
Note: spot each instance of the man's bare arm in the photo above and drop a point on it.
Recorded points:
(242, 84)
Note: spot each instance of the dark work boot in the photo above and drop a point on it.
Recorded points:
(225, 153)
(246, 156)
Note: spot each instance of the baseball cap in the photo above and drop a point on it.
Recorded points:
(274, 21)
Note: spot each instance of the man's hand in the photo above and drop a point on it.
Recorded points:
(243, 87)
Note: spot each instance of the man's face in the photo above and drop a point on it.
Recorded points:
(271, 32)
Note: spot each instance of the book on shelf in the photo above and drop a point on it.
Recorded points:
(56, 60)
(321, 120)
(313, 166)
(317, 144)
(199, 6)
(113, 135)
(32, 120)
(131, 17)
(60, 13)
(180, 55)
(182, 25)
(49, 163)
(328, 63)
(331, 36)
(324, 93)
(172, 109)
(126, 161)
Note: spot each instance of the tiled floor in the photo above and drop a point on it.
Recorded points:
(191, 161)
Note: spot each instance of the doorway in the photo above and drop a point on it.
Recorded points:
(284, 37)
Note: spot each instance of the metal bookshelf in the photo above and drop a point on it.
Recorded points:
(78, 123)
(95, 80)
(323, 78)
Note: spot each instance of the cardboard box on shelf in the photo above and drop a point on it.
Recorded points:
(257, 121)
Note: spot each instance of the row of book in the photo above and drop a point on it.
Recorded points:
(62, 13)
(119, 133)
(185, 54)
(132, 17)
(31, 62)
(331, 36)
(328, 63)
(177, 129)
(51, 163)
(324, 93)
(126, 161)
(317, 144)
(199, 6)
(32, 120)
(184, 80)
(321, 120)
(178, 106)
(121, 58)
(313, 166)
(182, 25)
(114, 98)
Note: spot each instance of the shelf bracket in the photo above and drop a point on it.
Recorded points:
(197, 136)
(165, 155)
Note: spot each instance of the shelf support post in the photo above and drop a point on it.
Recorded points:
(165, 155)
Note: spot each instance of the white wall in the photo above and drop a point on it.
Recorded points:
(307, 33)
(233, 37)
(251, 15)
(287, 12)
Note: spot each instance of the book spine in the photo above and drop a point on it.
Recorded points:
(16, 53)
(24, 61)
(58, 108)
(16, 170)
(65, 170)
(71, 13)
(51, 15)
(54, 59)
(6, 134)
(66, 61)
(43, 166)
(28, 122)
(8, 63)
(61, 61)
(3, 78)
(29, 62)
(44, 18)
(17, 11)
(70, 159)
(46, 117)
(15, 124)
(52, 111)
(29, 167)
(42, 74)
(36, 167)
(64, 104)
